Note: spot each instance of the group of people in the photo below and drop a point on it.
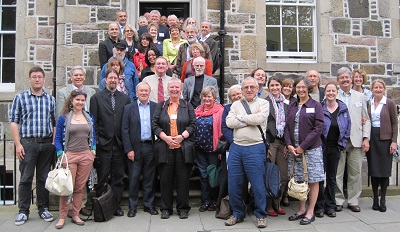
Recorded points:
(170, 119)
(179, 43)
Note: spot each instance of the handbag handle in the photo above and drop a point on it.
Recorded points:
(59, 162)
(304, 167)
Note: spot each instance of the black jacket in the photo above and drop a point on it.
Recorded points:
(106, 50)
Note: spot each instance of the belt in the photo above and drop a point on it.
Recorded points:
(146, 141)
(39, 140)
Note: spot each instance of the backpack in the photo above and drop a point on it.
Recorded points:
(272, 180)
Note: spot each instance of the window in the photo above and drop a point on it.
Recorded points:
(7, 44)
(291, 31)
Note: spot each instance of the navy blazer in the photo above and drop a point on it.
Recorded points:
(108, 122)
(226, 131)
(311, 124)
(131, 129)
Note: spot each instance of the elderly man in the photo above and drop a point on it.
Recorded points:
(107, 107)
(194, 84)
(106, 47)
(77, 75)
(32, 125)
(129, 79)
(183, 54)
(247, 153)
(163, 31)
(121, 17)
(138, 141)
(352, 156)
(159, 81)
(205, 36)
(172, 20)
(318, 92)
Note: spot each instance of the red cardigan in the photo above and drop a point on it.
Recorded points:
(207, 71)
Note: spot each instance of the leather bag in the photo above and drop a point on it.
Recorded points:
(59, 180)
(222, 145)
(296, 189)
(105, 206)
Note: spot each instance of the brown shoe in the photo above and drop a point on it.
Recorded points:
(85, 212)
(339, 208)
(354, 208)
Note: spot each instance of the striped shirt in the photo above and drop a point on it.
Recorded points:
(35, 115)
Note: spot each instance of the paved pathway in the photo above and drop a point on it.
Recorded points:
(346, 221)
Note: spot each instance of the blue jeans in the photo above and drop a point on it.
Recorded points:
(39, 156)
(249, 160)
(203, 159)
(145, 166)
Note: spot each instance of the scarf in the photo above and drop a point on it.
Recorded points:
(279, 107)
(216, 112)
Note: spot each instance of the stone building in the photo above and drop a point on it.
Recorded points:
(285, 37)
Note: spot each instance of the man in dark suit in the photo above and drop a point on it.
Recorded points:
(194, 84)
(107, 107)
(163, 31)
(106, 47)
(205, 36)
(138, 144)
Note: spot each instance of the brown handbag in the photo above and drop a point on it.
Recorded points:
(299, 190)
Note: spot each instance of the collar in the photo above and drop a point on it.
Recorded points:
(109, 92)
(76, 88)
(31, 93)
(141, 104)
(341, 92)
(382, 101)
(205, 37)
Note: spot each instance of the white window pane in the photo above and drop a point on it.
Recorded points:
(289, 35)
(305, 16)
(289, 15)
(273, 15)
(273, 39)
(306, 39)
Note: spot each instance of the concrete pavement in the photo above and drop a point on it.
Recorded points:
(346, 221)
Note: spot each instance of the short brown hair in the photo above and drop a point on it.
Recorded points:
(36, 69)
(362, 72)
(115, 60)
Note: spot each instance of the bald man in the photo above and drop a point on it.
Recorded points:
(106, 47)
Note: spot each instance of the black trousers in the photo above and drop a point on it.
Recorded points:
(175, 170)
(111, 169)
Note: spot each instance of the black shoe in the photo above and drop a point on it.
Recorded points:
(85, 212)
(212, 207)
(382, 207)
(165, 214)
(204, 207)
(330, 213)
(151, 211)
(339, 208)
(285, 201)
(183, 214)
(306, 221)
(319, 213)
(119, 213)
(297, 216)
(375, 205)
(132, 213)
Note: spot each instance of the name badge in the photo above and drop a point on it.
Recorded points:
(358, 104)
(161, 34)
(286, 101)
(310, 110)
(174, 116)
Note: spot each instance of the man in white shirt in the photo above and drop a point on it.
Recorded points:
(159, 81)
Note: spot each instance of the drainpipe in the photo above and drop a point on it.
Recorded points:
(55, 50)
(222, 34)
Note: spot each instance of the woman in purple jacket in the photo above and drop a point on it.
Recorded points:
(304, 124)
(336, 133)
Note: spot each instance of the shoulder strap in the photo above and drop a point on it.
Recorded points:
(304, 168)
(248, 111)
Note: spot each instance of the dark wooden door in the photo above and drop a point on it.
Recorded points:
(166, 8)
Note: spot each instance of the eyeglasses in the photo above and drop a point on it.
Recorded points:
(37, 77)
(252, 87)
(129, 30)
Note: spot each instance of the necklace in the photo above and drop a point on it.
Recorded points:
(77, 118)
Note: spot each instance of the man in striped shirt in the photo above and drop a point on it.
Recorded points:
(32, 123)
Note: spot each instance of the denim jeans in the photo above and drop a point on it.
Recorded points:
(249, 161)
(146, 166)
(39, 156)
(203, 159)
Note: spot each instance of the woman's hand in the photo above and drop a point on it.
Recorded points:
(292, 150)
(393, 147)
(178, 139)
(299, 150)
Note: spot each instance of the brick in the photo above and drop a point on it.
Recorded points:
(341, 26)
(374, 69)
(238, 19)
(357, 54)
(85, 38)
(46, 32)
(44, 53)
(342, 39)
(215, 5)
(248, 48)
(372, 28)
(359, 9)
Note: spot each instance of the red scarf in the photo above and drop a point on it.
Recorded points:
(216, 112)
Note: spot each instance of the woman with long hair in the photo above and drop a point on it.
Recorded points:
(151, 55)
(131, 37)
(76, 137)
(146, 42)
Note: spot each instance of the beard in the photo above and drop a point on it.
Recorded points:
(121, 56)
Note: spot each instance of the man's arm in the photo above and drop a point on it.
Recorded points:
(17, 140)
(366, 127)
(258, 117)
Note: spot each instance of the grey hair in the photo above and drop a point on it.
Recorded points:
(172, 16)
(249, 79)
(142, 83)
(175, 80)
(116, 14)
(142, 18)
(71, 72)
(190, 26)
(155, 12)
(209, 89)
(237, 86)
(209, 23)
(343, 70)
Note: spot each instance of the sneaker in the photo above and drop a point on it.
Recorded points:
(46, 215)
(232, 220)
(21, 219)
(261, 223)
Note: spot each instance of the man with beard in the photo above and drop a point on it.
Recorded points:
(159, 81)
(194, 84)
(106, 47)
(107, 107)
(129, 78)
(183, 54)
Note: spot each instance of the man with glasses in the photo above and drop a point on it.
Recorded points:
(32, 125)
(352, 156)
(194, 84)
(247, 153)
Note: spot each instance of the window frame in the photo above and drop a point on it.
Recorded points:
(6, 87)
(283, 56)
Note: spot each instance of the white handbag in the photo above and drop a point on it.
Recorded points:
(59, 180)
